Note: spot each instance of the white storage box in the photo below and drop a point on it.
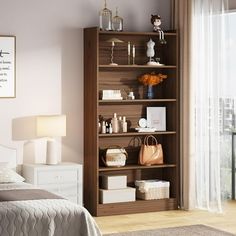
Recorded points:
(114, 182)
(152, 189)
(117, 195)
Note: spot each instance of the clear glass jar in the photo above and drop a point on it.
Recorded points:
(105, 18)
(117, 22)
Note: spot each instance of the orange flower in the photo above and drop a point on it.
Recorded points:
(152, 78)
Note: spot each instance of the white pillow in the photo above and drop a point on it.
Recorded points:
(9, 176)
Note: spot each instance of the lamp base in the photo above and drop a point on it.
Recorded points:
(51, 158)
(113, 64)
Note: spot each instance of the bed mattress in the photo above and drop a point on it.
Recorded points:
(43, 217)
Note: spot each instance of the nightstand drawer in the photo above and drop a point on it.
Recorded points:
(53, 177)
(62, 189)
(64, 179)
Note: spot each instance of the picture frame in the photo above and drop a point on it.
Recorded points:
(7, 66)
(156, 118)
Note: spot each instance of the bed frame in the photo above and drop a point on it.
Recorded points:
(9, 155)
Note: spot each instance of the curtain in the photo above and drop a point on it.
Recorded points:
(182, 20)
(208, 74)
(202, 26)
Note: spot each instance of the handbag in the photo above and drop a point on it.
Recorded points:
(150, 154)
(115, 156)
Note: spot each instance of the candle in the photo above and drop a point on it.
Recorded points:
(128, 48)
(133, 51)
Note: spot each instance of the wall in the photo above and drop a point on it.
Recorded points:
(49, 59)
(232, 4)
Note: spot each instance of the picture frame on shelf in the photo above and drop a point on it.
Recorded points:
(7, 66)
(156, 118)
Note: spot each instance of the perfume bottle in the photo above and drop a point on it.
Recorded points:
(115, 124)
(103, 127)
(105, 18)
(117, 22)
(124, 125)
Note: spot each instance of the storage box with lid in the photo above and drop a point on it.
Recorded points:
(152, 189)
(114, 181)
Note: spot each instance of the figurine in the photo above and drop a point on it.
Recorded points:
(156, 21)
(151, 52)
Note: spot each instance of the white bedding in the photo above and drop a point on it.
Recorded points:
(50, 217)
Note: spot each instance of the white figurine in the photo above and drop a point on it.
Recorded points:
(151, 52)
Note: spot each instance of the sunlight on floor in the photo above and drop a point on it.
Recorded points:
(153, 220)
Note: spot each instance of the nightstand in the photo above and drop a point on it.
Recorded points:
(64, 179)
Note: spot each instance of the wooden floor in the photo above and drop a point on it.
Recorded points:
(122, 223)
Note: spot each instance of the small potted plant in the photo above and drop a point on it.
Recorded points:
(150, 80)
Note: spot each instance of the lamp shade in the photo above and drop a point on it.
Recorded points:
(51, 126)
(114, 40)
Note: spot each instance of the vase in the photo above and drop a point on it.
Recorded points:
(150, 93)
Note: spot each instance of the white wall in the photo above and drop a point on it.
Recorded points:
(49, 59)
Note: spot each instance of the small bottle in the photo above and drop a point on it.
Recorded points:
(131, 96)
(107, 128)
(110, 128)
(115, 125)
(124, 125)
(103, 127)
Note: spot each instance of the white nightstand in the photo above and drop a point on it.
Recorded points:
(64, 179)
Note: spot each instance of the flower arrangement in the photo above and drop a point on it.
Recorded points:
(152, 78)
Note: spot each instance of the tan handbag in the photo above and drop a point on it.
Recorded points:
(150, 154)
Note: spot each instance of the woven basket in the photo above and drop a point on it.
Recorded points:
(153, 193)
(152, 189)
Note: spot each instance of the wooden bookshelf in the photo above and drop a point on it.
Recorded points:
(98, 76)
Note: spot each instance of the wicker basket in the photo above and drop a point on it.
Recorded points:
(152, 189)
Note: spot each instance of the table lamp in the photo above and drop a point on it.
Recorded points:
(51, 126)
(113, 41)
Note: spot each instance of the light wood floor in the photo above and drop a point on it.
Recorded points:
(122, 223)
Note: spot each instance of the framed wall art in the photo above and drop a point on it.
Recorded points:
(7, 66)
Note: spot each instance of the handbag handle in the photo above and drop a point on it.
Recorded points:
(132, 141)
(145, 142)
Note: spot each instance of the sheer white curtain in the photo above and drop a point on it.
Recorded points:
(202, 26)
(209, 75)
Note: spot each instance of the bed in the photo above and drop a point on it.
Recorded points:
(28, 211)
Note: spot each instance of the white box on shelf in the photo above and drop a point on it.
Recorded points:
(111, 95)
(156, 118)
(114, 181)
(117, 195)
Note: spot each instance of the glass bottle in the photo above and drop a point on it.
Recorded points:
(105, 18)
(117, 22)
